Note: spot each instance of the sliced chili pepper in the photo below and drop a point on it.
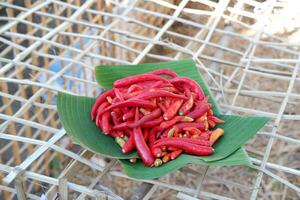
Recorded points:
(173, 109)
(194, 85)
(152, 123)
(141, 145)
(164, 71)
(129, 145)
(101, 98)
(216, 134)
(187, 147)
(215, 119)
(188, 140)
(175, 154)
(199, 111)
(138, 78)
(187, 106)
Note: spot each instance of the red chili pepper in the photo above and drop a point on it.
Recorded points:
(118, 94)
(115, 117)
(98, 117)
(175, 154)
(130, 103)
(194, 124)
(154, 93)
(121, 126)
(173, 109)
(187, 147)
(128, 115)
(152, 123)
(162, 106)
(129, 145)
(194, 85)
(132, 94)
(176, 139)
(187, 90)
(167, 124)
(187, 106)
(211, 123)
(141, 145)
(192, 130)
(134, 88)
(138, 78)
(199, 111)
(215, 119)
(164, 71)
(101, 98)
(106, 126)
(115, 134)
(157, 84)
(146, 134)
(154, 114)
(145, 111)
(172, 148)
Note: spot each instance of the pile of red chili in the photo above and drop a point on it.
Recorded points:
(160, 114)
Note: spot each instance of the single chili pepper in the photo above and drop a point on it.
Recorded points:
(101, 98)
(121, 126)
(173, 109)
(188, 140)
(187, 90)
(187, 106)
(166, 158)
(138, 78)
(167, 102)
(145, 111)
(215, 119)
(146, 134)
(216, 134)
(210, 112)
(199, 111)
(192, 130)
(106, 126)
(170, 148)
(129, 145)
(211, 123)
(140, 143)
(162, 106)
(152, 123)
(98, 117)
(194, 85)
(194, 124)
(164, 71)
(157, 84)
(132, 103)
(134, 88)
(167, 124)
(187, 147)
(175, 154)
(154, 114)
(115, 118)
(132, 94)
(156, 152)
(118, 94)
(154, 93)
(128, 115)
(202, 119)
(204, 136)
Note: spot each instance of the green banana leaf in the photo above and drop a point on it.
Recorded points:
(74, 113)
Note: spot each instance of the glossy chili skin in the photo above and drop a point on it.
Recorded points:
(101, 98)
(138, 78)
